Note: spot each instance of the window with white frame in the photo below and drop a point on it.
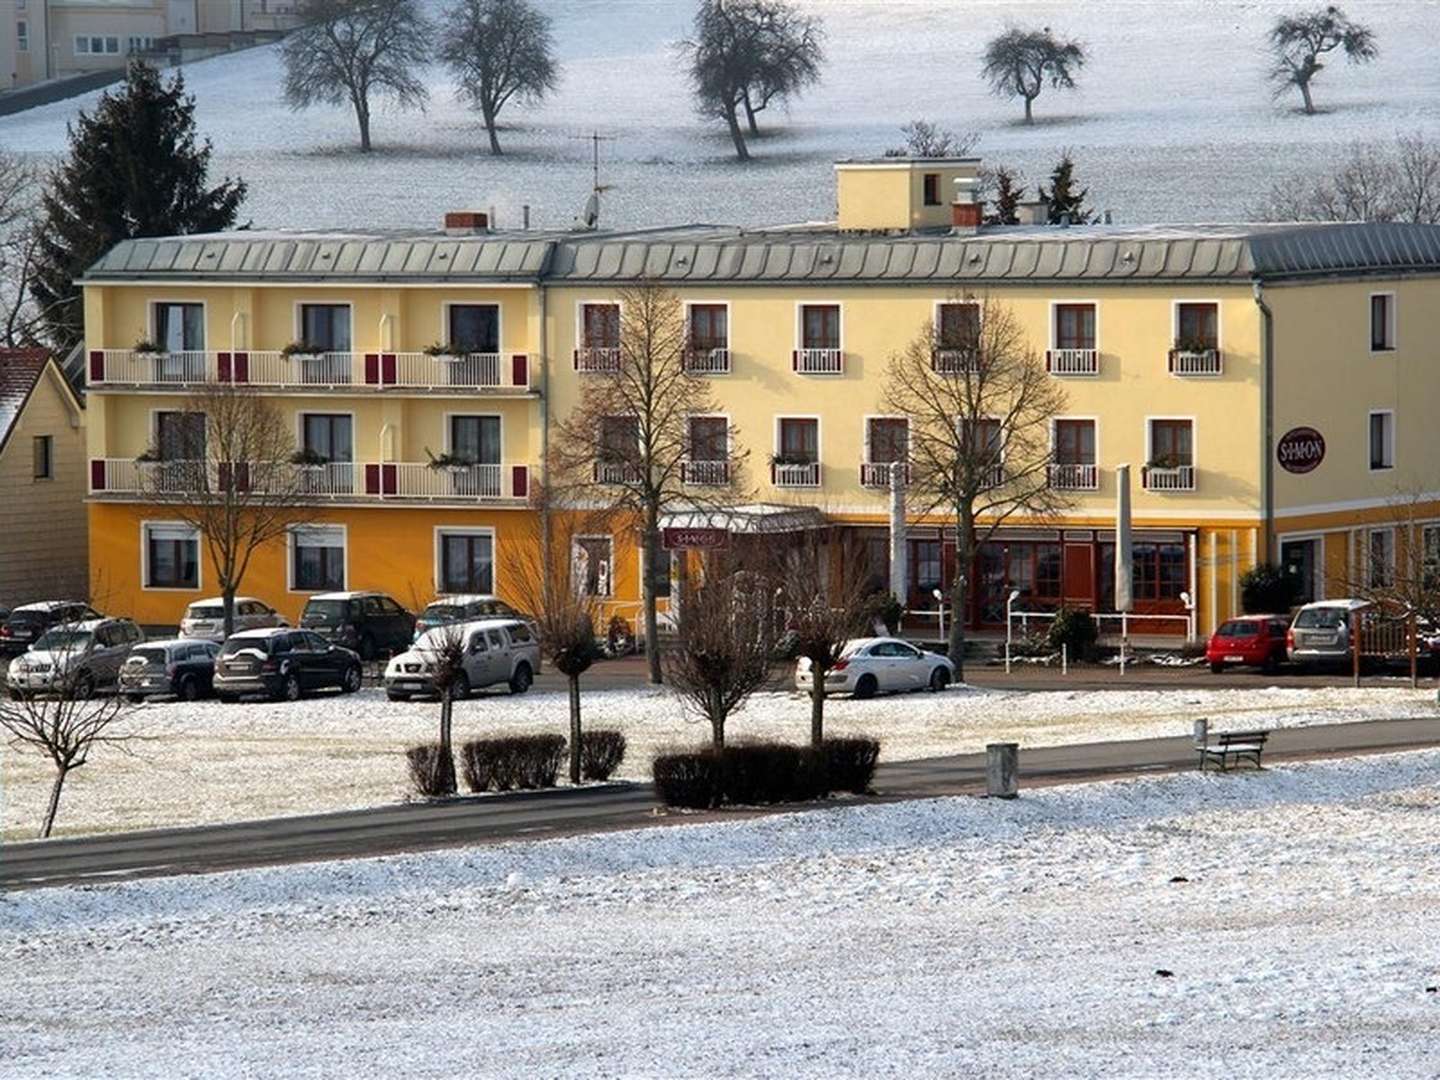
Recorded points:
(317, 558)
(96, 45)
(139, 43)
(22, 36)
(1382, 322)
(467, 561)
(1430, 556)
(593, 565)
(660, 572)
(1382, 440)
(1381, 565)
(172, 556)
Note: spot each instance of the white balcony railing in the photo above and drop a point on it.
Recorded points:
(329, 480)
(423, 481)
(805, 475)
(594, 360)
(156, 477)
(340, 481)
(818, 361)
(418, 370)
(705, 473)
(955, 361)
(876, 474)
(1196, 362)
(616, 472)
(1072, 361)
(128, 367)
(707, 361)
(1168, 478)
(1074, 477)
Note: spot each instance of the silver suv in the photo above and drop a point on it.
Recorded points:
(497, 651)
(1320, 634)
(75, 658)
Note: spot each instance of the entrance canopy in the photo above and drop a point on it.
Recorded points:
(751, 519)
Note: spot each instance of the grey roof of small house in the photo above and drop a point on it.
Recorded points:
(817, 253)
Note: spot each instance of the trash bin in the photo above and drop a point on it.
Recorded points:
(1002, 770)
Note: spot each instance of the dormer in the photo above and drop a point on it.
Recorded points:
(901, 192)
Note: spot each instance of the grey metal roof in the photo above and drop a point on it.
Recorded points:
(808, 254)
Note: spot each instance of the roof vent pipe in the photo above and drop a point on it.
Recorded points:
(525, 216)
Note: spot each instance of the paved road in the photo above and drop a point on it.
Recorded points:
(389, 829)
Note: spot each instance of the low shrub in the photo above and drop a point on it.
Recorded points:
(758, 773)
(850, 763)
(689, 778)
(882, 605)
(1076, 630)
(432, 770)
(601, 753)
(515, 762)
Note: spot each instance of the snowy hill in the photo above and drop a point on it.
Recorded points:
(1173, 121)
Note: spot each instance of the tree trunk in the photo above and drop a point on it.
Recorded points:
(574, 729)
(1029, 114)
(362, 117)
(54, 805)
(229, 600)
(717, 731)
(447, 756)
(736, 135)
(647, 593)
(1309, 101)
(955, 648)
(494, 139)
(750, 115)
(817, 707)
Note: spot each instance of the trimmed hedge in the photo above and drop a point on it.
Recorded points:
(519, 761)
(432, 771)
(601, 753)
(762, 773)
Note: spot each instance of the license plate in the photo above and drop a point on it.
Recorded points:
(1234, 659)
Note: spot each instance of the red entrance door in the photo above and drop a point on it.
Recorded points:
(1079, 587)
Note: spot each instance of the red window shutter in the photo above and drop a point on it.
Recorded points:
(222, 367)
(372, 368)
(387, 369)
(372, 474)
(97, 474)
(520, 482)
(97, 366)
(241, 370)
(520, 369)
(389, 484)
(222, 473)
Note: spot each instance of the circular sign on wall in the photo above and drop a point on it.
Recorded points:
(1300, 449)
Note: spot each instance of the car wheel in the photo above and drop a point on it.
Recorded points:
(939, 679)
(226, 699)
(1271, 665)
(353, 678)
(522, 679)
(135, 699)
(1216, 668)
(461, 690)
(395, 695)
(85, 686)
(367, 648)
(189, 689)
(866, 687)
(289, 689)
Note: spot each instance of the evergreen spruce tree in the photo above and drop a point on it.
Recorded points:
(1063, 197)
(135, 168)
(1007, 199)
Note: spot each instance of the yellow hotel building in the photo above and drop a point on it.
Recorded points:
(1273, 387)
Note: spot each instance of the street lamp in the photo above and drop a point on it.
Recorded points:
(1189, 616)
(940, 600)
(1009, 604)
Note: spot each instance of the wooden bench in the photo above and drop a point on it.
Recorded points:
(1232, 746)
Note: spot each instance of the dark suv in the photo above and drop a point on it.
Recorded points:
(467, 608)
(182, 667)
(282, 664)
(28, 622)
(368, 622)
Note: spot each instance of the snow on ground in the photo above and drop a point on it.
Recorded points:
(210, 762)
(1294, 908)
(1174, 120)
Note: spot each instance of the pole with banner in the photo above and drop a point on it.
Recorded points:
(899, 572)
(1124, 563)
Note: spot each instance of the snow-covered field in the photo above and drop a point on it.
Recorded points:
(1294, 910)
(1173, 122)
(210, 762)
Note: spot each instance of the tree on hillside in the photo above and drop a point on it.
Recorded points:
(1298, 43)
(979, 435)
(637, 438)
(20, 321)
(1007, 194)
(352, 50)
(929, 140)
(225, 469)
(1064, 201)
(744, 54)
(135, 167)
(1372, 183)
(1019, 63)
(499, 50)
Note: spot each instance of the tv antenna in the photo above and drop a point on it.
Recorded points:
(590, 216)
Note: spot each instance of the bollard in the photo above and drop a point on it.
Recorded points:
(1202, 732)
(1064, 658)
(1002, 770)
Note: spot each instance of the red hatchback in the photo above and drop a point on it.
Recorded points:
(1254, 641)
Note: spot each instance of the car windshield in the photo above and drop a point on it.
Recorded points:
(206, 611)
(1320, 618)
(1239, 629)
(150, 657)
(55, 640)
(325, 610)
(240, 644)
(28, 618)
(434, 639)
(441, 613)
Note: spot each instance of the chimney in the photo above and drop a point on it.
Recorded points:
(466, 223)
(966, 211)
(1033, 213)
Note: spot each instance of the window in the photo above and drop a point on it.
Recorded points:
(180, 436)
(1382, 322)
(619, 439)
(1430, 555)
(1075, 442)
(473, 328)
(327, 435)
(660, 572)
(1159, 572)
(820, 326)
(877, 561)
(887, 440)
(43, 452)
(1382, 440)
(138, 43)
(1197, 327)
(95, 45)
(1075, 326)
(180, 327)
(476, 439)
(1171, 444)
(600, 326)
(932, 189)
(709, 438)
(709, 327)
(592, 565)
(467, 562)
(22, 32)
(799, 440)
(172, 557)
(82, 45)
(1381, 570)
(982, 438)
(958, 326)
(317, 562)
(325, 327)
(112, 46)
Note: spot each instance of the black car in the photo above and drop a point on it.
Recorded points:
(282, 664)
(369, 622)
(184, 668)
(453, 609)
(26, 623)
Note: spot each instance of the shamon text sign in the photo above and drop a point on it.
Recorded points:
(1300, 449)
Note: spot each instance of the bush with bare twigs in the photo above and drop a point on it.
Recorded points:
(601, 753)
(514, 762)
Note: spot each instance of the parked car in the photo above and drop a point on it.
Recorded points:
(869, 666)
(465, 608)
(1320, 634)
(26, 623)
(182, 668)
(369, 622)
(283, 664)
(205, 619)
(496, 651)
(82, 656)
(1254, 641)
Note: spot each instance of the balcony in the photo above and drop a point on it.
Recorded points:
(1074, 477)
(421, 481)
(705, 473)
(795, 475)
(616, 472)
(876, 474)
(1168, 478)
(818, 362)
(707, 361)
(1196, 362)
(1072, 361)
(955, 361)
(597, 360)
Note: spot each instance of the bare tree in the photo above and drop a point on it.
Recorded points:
(980, 405)
(1372, 183)
(20, 318)
(1299, 41)
(444, 647)
(227, 472)
(499, 50)
(349, 50)
(67, 721)
(929, 140)
(721, 654)
(631, 435)
(792, 52)
(1019, 63)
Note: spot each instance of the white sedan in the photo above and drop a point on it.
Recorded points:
(869, 666)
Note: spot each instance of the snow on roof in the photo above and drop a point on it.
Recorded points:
(46, 605)
(20, 370)
(262, 632)
(460, 599)
(355, 595)
(221, 600)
